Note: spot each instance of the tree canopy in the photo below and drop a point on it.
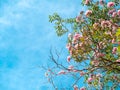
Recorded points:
(94, 42)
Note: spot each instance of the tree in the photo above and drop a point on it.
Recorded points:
(94, 43)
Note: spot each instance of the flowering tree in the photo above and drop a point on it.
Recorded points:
(94, 43)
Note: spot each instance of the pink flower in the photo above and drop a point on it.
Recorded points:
(100, 55)
(82, 73)
(114, 14)
(78, 18)
(87, 2)
(71, 52)
(101, 2)
(75, 87)
(80, 44)
(103, 24)
(71, 67)
(82, 88)
(110, 4)
(61, 72)
(68, 58)
(75, 70)
(108, 33)
(76, 46)
(118, 42)
(95, 62)
(88, 13)
(114, 50)
(111, 11)
(114, 27)
(113, 41)
(74, 40)
(68, 46)
(76, 36)
(106, 24)
(90, 80)
(118, 12)
(118, 60)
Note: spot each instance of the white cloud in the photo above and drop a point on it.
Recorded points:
(41, 6)
(29, 36)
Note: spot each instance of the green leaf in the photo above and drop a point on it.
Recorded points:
(118, 32)
(118, 48)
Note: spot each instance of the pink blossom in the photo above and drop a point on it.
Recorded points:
(113, 41)
(101, 2)
(80, 44)
(118, 12)
(74, 41)
(78, 18)
(106, 24)
(110, 4)
(87, 2)
(108, 33)
(90, 80)
(82, 88)
(114, 27)
(82, 73)
(103, 23)
(88, 13)
(68, 46)
(61, 72)
(100, 55)
(71, 52)
(68, 58)
(118, 60)
(95, 62)
(111, 11)
(75, 70)
(114, 50)
(71, 67)
(118, 42)
(114, 14)
(75, 87)
(76, 37)
(76, 46)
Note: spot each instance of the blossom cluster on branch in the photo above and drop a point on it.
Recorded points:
(93, 42)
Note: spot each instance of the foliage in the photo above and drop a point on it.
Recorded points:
(94, 42)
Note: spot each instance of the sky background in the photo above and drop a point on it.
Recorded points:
(26, 37)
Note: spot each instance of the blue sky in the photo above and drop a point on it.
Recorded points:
(25, 40)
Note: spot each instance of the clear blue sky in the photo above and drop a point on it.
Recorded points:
(25, 40)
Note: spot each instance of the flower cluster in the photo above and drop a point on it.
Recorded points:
(94, 44)
(103, 30)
